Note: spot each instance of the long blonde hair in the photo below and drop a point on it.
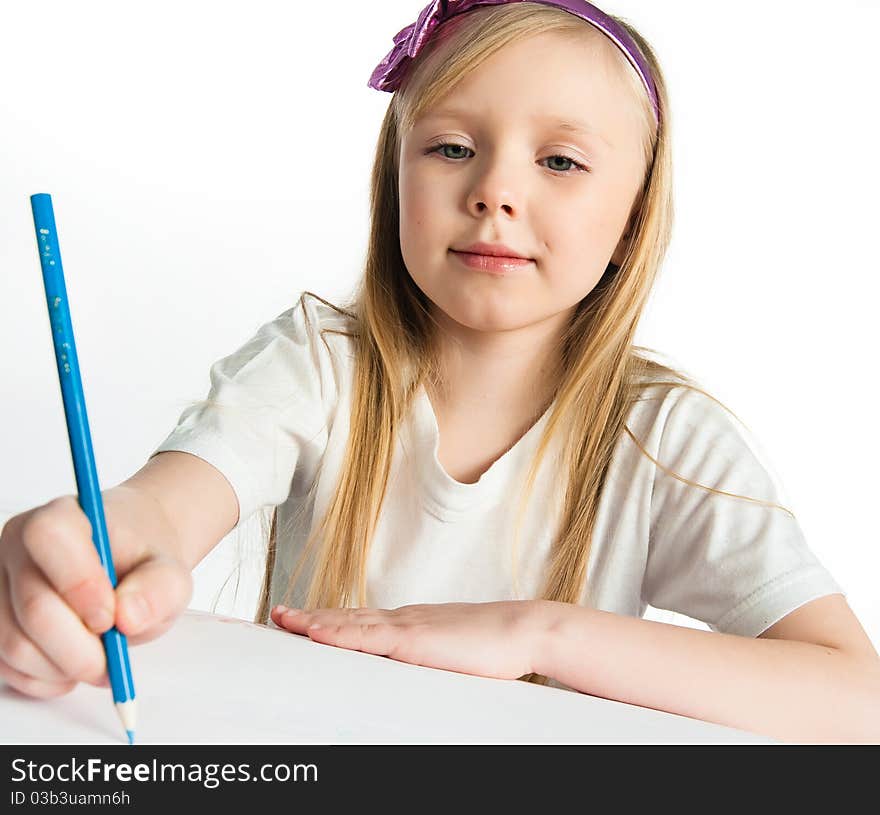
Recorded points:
(602, 372)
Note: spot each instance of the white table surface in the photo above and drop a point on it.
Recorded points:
(212, 679)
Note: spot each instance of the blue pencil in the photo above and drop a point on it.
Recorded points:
(89, 492)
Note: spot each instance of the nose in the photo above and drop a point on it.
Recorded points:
(494, 191)
(482, 206)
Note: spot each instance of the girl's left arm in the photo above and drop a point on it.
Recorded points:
(812, 677)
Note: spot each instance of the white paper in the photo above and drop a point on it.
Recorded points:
(219, 680)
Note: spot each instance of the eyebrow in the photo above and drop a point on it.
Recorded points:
(574, 127)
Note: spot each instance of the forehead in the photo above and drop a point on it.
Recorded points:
(548, 80)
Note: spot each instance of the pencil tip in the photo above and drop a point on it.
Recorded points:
(130, 734)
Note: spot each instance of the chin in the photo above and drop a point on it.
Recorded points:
(489, 313)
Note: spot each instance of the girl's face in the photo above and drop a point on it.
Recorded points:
(511, 174)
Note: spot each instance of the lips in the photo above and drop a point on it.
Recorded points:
(492, 250)
(492, 264)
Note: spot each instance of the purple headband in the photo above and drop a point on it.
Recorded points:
(408, 41)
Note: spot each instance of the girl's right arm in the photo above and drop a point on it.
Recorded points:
(56, 599)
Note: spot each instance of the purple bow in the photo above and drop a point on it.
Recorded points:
(409, 41)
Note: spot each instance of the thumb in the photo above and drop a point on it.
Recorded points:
(151, 595)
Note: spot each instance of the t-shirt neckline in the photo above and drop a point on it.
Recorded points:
(441, 492)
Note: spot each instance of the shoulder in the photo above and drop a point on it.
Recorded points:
(691, 431)
(680, 413)
(698, 423)
(318, 321)
(310, 335)
(306, 349)
(315, 348)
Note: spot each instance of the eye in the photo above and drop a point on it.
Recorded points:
(581, 168)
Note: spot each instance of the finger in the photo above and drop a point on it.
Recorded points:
(290, 619)
(31, 686)
(298, 620)
(16, 648)
(58, 539)
(152, 596)
(47, 620)
(371, 637)
(153, 632)
(362, 629)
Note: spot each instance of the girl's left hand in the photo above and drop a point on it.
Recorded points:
(486, 639)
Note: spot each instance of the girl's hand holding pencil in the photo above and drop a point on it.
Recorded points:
(58, 595)
(56, 599)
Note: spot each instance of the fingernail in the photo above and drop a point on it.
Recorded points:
(99, 619)
(281, 609)
(134, 610)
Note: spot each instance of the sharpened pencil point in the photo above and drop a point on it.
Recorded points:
(130, 734)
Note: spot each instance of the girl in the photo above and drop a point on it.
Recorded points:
(472, 466)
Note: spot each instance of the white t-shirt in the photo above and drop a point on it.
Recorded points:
(283, 421)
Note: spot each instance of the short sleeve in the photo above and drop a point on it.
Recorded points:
(268, 405)
(737, 565)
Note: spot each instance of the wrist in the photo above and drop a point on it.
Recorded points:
(137, 521)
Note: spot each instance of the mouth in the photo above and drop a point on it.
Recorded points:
(493, 264)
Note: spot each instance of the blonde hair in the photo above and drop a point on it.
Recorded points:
(602, 372)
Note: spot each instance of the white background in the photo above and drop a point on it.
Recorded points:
(209, 161)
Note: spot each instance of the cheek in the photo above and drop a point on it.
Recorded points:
(579, 235)
(578, 243)
(413, 209)
(425, 231)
